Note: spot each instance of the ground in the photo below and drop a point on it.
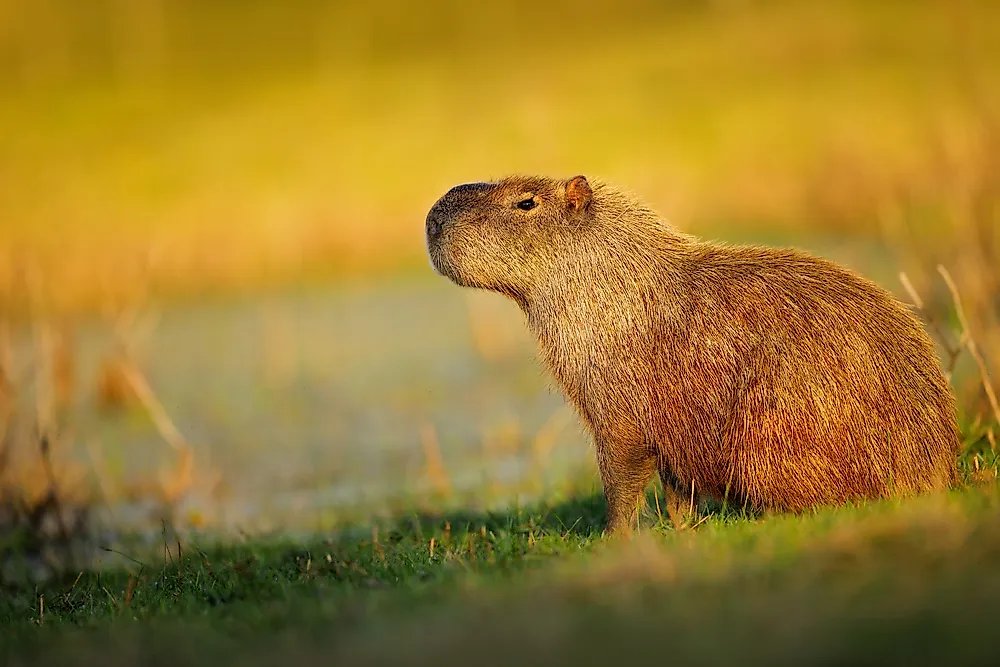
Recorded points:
(895, 582)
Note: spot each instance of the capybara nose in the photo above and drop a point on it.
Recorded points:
(434, 225)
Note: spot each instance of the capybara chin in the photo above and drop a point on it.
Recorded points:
(768, 377)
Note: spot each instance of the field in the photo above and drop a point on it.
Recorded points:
(892, 583)
(241, 419)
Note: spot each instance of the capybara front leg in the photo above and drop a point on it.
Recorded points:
(625, 472)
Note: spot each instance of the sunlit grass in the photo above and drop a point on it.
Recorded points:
(241, 147)
(838, 583)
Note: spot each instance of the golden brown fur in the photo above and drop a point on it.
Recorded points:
(771, 377)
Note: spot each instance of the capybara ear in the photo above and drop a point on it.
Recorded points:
(578, 193)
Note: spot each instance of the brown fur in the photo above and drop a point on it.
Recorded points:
(769, 377)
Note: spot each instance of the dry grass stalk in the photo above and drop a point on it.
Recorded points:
(656, 502)
(63, 368)
(43, 505)
(957, 190)
(435, 462)
(954, 345)
(970, 343)
(7, 396)
(43, 500)
(965, 339)
(952, 348)
(676, 518)
(377, 545)
(113, 390)
(128, 330)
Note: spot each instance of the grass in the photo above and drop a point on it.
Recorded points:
(894, 582)
(192, 147)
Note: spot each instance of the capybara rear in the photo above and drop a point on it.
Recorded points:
(768, 377)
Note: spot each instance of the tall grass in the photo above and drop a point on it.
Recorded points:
(211, 145)
(52, 504)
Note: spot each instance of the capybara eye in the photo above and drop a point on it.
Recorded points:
(526, 204)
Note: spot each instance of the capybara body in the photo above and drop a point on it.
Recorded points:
(767, 377)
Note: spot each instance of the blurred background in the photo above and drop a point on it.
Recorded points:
(214, 292)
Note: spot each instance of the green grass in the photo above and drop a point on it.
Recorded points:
(903, 582)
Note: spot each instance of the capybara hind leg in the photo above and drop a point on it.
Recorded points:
(678, 504)
(624, 475)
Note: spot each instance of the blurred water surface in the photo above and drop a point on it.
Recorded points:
(307, 400)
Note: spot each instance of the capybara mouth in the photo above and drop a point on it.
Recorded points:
(444, 263)
(437, 261)
(438, 250)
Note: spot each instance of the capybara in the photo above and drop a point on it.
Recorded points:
(769, 378)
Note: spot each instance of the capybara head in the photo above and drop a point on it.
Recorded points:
(504, 235)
